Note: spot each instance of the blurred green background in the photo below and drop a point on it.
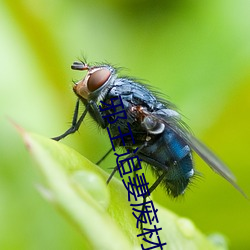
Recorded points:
(196, 52)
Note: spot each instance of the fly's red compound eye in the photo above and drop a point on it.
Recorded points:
(97, 79)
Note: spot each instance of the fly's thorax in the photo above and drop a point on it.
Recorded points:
(95, 84)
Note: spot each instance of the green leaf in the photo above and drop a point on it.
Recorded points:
(102, 213)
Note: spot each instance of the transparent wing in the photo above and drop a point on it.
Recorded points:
(175, 124)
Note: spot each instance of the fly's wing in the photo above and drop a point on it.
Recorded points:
(212, 160)
(175, 124)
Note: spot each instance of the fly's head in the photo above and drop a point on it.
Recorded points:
(92, 86)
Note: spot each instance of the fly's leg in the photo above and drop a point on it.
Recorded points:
(110, 150)
(92, 108)
(114, 171)
(130, 155)
(142, 209)
(151, 189)
(149, 161)
(112, 174)
(157, 182)
(75, 123)
(164, 168)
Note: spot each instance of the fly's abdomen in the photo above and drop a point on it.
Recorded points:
(180, 166)
(178, 176)
(173, 159)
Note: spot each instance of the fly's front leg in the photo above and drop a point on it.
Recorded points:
(75, 123)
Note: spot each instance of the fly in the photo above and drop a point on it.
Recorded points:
(163, 139)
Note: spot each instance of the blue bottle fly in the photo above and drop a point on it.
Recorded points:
(163, 139)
